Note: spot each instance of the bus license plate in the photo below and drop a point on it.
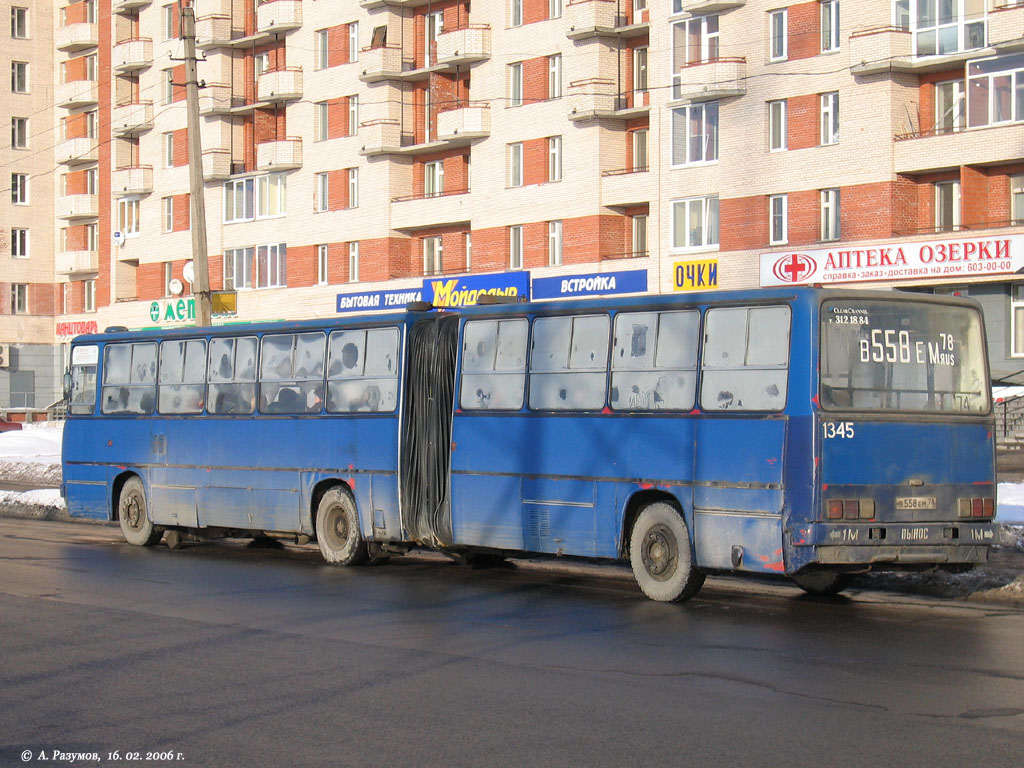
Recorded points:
(916, 502)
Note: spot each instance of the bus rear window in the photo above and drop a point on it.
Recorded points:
(902, 356)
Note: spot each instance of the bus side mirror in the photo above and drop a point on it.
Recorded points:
(67, 385)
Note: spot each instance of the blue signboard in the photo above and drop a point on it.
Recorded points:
(371, 300)
(465, 290)
(569, 286)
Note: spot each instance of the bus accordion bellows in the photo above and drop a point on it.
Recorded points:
(808, 433)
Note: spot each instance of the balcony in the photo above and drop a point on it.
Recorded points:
(890, 50)
(282, 155)
(128, 6)
(472, 121)
(132, 180)
(380, 137)
(599, 97)
(77, 93)
(278, 15)
(132, 55)
(700, 7)
(76, 37)
(216, 164)
(131, 118)
(74, 262)
(947, 151)
(78, 207)
(420, 211)
(1006, 27)
(77, 151)
(215, 99)
(628, 187)
(383, 63)
(711, 80)
(593, 18)
(280, 85)
(371, 4)
(213, 31)
(464, 46)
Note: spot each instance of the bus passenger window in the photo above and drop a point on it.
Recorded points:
(654, 361)
(746, 359)
(493, 364)
(129, 378)
(83, 378)
(182, 385)
(568, 361)
(231, 373)
(291, 373)
(362, 371)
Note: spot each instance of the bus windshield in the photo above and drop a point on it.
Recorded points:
(880, 355)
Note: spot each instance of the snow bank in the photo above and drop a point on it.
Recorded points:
(32, 455)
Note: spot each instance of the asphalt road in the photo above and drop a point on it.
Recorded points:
(224, 655)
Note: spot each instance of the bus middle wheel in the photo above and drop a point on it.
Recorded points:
(337, 529)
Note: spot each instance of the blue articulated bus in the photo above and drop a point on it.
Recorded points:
(803, 432)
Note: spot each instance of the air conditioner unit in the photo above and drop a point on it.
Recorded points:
(5, 355)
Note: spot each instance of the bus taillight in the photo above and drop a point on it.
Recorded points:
(977, 508)
(850, 509)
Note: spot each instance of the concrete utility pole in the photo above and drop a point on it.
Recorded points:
(200, 262)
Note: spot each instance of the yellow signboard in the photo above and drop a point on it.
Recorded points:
(695, 275)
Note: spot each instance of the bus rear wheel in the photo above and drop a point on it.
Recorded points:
(659, 553)
(133, 513)
(822, 582)
(337, 529)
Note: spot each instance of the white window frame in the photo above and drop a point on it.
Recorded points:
(19, 77)
(516, 13)
(706, 137)
(128, 213)
(938, 35)
(353, 115)
(1017, 199)
(778, 34)
(638, 234)
(778, 219)
(515, 247)
(554, 9)
(641, 159)
(322, 126)
(19, 23)
(168, 86)
(831, 220)
(92, 67)
(271, 196)
(952, 190)
(239, 191)
(554, 158)
(515, 84)
(19, 133)
(829, 118)
(169, 149)
(19, 298)
(515, 164)
(468, 241)
(433, 26)
(698, 215)
(168, 209)
(92, 181)
(168, 276)
(640, 69)
(321, 264)
(353, 261)
(353, 187)
(433, 178)
(984, 88)
(323, 188)
(778, 129)
(433, 255)
(19, 243)
(555, 243)
(956, 113)
(322, 49)
(260, 64)
(169, 21)
(555, 76)
(353, 41)
(830, 39)
(89, 297)
(92, 236)
(19, 189)
(276, 274)
(92, 123)
(239, 262)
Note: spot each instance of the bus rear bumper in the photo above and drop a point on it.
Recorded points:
(900, 544)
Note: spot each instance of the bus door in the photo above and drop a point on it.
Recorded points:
(425, 449)
(738, 492)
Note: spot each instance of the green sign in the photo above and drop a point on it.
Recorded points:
(173, 311)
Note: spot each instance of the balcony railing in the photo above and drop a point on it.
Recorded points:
(280, 85)
(279, 155)
(937, 151)
(128, 6)
(1006, 26)
(711, 80)
(464, 46)
(132, 180)
(380, 137)
(77, 151)
(278, 15)
(624, 255)
(132, 55)
(700, 7)
(76, 37)
(215, 99)
(132, 117)
(77, 93)
(600, 97)
(213, 30)
(74, 262)
(592, 18)
(78, 207)
(216, 164)
(381, 63)
(882, 49)
(471, 121)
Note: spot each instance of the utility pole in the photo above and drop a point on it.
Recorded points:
(200, 262)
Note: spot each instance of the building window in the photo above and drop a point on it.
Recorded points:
(239, 200)
(693, 40)
(695, 223)
(947, 206)
(353, 115)
(353, 187)
(19, 133)
(641, 156)
(695, 134)
(238, 268)
(829, 25)
(353, 262)
(270, 195)
(169, 11)
(639, 234)
(90, 295)
(92, 124)
(555, 76)
(19, 23)
(321, 121)
(19, 243)
(554, 243)
(19, 298)
(168, 276)
(168, 206)
(515, 247)
(830, 118)
(469, 251)
(516, 13)
(777, 25)
(168, 86)
(555, 158)
(65, 298)
(321, 265)
(432, 255)
(322, 49)
(554, 9)
(1017, 199)
(353, 41)
(953, 26)
(168, 150)
(92, 237)
(950, 106)
(515, 164)
(19, 188)
(777, 130)
(323, 188)
(92, 181)
(778, 212)
(261, 64)
(128, 216)
(515, 85)
(19, 77)
(830, 214)
(433, 178)
(271, 269)
(995, 91)
(640, 69)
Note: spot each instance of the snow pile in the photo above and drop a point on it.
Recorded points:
(31, 456)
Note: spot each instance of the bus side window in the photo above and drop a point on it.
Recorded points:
(83, 379)
(493, 364)
(292, 373)
(568, 361)
(182, 384)
(654, 360)
(362, 371)
(129, 378)
(231, 373)
(746, 359)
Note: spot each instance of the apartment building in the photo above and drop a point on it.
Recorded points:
(356, 153)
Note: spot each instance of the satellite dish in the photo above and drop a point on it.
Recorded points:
(188, 272)
(119, 238)
(175, 287)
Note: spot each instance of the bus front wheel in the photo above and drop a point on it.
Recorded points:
(337, 529)
(132, 511)
(659, 553)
